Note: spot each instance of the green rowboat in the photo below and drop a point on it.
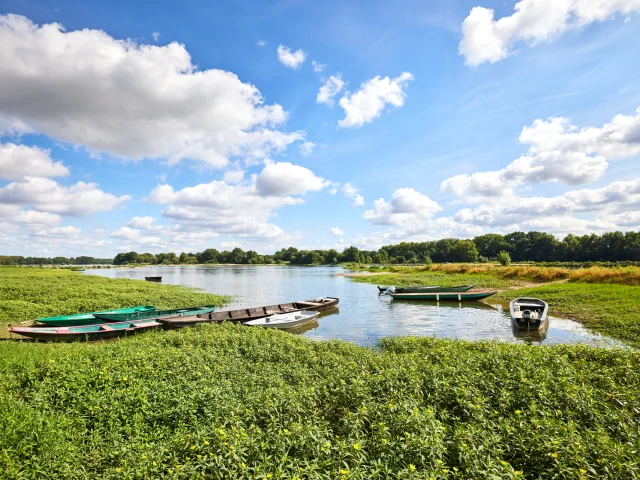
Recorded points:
(461, 288)
(86, 332)
(178, 312)
(88, 318)
(442, 296)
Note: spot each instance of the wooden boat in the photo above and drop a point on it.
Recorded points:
(529, 313)
(444, 296)
(153, 279)
(284, 321)
(86, 332)
(89, 318)
(461, 288)
(247, 314)
(176, 312)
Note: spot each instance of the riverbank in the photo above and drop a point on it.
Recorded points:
(606, 300)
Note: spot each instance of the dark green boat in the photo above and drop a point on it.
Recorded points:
(442, 296)
(89, 318)
(461, 288)
(123, 317)
(86, 332)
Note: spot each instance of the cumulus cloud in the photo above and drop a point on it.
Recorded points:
(306, 148)
(374, 95)
(289, 58)
(558, 152)
(129, 100)
(485, 39)
(17, 161)
(46, 195)
(329, 89)
(318, 67)
(351, 192)
(336, 232)
(407, 207)
(284, 179)
(144, 223)
(234, 175)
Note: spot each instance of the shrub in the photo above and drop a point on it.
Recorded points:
(504, 258)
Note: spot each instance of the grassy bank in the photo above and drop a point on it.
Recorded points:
(28, 293)
(233, 402)
(606, 300)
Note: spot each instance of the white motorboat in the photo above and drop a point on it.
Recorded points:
(529, 313)
(284, 321)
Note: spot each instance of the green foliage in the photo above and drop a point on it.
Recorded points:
(233, 402)
(504, 258)
(29, 293)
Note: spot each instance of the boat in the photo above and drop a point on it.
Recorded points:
(444, 296)
(284, 321)
(248, 314)
(461, 288)
(176, 312)
(153, 279)
(529, 313)
(89, 318)
(85, 332)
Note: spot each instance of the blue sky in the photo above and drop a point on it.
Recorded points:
(196, 124)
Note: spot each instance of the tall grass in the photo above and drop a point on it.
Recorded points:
(233, 402)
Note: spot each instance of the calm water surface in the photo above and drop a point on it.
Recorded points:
(363, 316)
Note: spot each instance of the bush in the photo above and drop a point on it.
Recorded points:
(504, 258)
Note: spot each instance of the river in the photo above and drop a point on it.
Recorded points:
(363, 316)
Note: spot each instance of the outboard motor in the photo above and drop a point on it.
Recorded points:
(526, 315)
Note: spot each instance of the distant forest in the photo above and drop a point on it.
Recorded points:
(522, 247)
(18, 260)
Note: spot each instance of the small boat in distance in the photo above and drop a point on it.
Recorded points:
(77, 319)
(444, 296)
(176, 312)
(86, 332)
(247, 314)
(284, 321)
(461, 288)
(153, 279)
(529, 313)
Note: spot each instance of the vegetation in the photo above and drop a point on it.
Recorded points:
(82, 260)
(504, 258)
(28, 293)
(519, 246)
(232, 402)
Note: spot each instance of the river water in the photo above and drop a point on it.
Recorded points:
(362, 316)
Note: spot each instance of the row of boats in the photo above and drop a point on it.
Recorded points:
(126, 321)
(526, 313)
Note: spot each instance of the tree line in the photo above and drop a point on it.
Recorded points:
(82, 260)
(521, 247)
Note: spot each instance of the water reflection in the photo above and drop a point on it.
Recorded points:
(363, 316)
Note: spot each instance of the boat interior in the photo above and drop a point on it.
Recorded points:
(528, 310)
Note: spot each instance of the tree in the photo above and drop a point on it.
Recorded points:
(464, 251)
(504, 258)
(490, 245)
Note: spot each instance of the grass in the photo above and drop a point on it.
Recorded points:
(232, 402)
(29, 293)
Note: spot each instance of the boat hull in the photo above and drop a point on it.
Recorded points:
(461, 288)
(297, 319)
(443, 296)
(123, 317)
(540, 307)
(80, 319)
(84, 333)
(246, 314)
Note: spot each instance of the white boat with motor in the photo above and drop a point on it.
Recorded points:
(284, 321)
(529, 313)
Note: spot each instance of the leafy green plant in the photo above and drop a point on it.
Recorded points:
(504, 258)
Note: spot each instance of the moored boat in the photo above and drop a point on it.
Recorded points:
(176, 312)
(432, 289)
(444, 296)
(247, 314)
(78, 319)
(153, 279)
(284, 321)
(529, 313)
(85, 332)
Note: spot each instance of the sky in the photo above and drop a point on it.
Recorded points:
(179, 126)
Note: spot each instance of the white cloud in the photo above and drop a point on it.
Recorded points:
(337, 232)
(233, 176)
(318, 67)
(369, 101)
(13, 214)
(129, 100)
(485, 39)
(407, 207)
(558, 152)
(17, 161)
(156, 36)
(306, 148)
(329, 89)
(261, 43)
(289, 58)
(48, 196)
(350, 191)
(144, 223)
(287, 179)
